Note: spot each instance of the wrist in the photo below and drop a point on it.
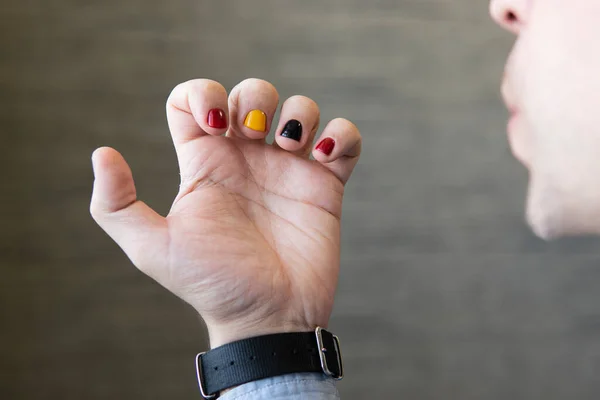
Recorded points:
(266, 356)
(222, 335)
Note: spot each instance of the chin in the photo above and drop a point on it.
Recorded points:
(544, 213)
(543, 225)
(553, 214)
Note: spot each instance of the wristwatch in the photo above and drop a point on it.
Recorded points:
(267, 356)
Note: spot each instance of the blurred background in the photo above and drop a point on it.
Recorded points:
(444, 292)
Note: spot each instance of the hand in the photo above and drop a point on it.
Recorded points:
(252, 240)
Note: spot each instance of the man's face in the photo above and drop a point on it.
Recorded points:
(552, 87)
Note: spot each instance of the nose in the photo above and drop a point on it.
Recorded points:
(510, 14)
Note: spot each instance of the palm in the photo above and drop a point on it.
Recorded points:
(264, 223)
(252, 239)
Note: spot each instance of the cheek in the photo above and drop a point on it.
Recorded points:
(561, 59)
(557, 74)
(556, 64)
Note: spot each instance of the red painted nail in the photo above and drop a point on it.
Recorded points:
(326, 146)
(217, 118)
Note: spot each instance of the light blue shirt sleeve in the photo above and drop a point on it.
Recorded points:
(313, 386)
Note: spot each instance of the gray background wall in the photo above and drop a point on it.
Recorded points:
(444, 292)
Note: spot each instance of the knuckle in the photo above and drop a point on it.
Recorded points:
(251, 82)
(96, 211)
(195, 85)
(304, 101)
(259, 86)
(175, 93)
(346, 127)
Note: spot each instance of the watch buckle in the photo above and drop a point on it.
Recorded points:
(322, 349)
(200, 378)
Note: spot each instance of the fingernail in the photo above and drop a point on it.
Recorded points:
(292, 130)
(217, 118)
(256, 120)
(326, 146)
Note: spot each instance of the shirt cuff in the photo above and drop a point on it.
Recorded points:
(314, 386)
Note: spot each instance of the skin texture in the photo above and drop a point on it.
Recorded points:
(552, 88)
(252, 240)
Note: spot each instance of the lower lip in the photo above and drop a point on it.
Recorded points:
(513, 140)
(512, 122)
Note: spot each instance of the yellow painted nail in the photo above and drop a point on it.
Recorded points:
(256, 120)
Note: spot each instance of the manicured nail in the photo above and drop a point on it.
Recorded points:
(292, 130)
(217, 118)
(256, 120)
(326, 146)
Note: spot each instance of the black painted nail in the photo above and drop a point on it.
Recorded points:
(292, 130)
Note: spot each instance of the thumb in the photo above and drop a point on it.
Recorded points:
(135, 227)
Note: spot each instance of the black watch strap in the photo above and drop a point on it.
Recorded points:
(266, 356)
